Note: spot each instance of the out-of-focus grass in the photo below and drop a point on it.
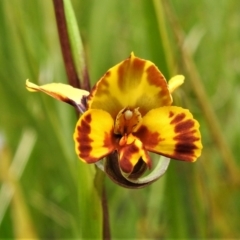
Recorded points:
(197, 200)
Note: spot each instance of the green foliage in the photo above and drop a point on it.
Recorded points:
(54, 191)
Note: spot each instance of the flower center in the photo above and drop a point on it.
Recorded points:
(126, 121)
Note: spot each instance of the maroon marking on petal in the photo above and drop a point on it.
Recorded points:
(185, 147)
(138, 67)
(107, 74)
(94, 88)
(130, 70)
(125, 163)
(83, 139)
(178, 118)
(146, 137)
(103, 87)
(109, 139)
(92, 93)
(104, 83)
(84, 128)
(189, 136)
(170, 114)
(180, 157)
(184, 126)
(155, 77)
(184, 151)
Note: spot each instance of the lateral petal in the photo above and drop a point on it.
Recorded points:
(93, 135)
(62, 92)
(133, 82)
(130, 153)
(172, 132)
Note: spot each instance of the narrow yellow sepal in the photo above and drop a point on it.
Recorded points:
(60, 91)
(31, 87)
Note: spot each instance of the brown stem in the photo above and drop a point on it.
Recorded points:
(65, 44)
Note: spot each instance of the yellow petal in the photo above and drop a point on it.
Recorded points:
(132, 83)
(130, 152)
(175, 82)
(62, 92)
(172, 132)
(93, 135)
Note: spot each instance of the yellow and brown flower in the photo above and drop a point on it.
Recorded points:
(129, 111)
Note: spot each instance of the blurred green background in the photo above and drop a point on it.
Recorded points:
(42, 185)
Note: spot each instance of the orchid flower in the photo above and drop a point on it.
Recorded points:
(128, 112)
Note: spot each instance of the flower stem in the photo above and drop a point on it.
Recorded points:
(65, 44)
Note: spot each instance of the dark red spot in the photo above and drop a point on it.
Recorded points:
(103, 87)
(155, 77)
(124, 162)
(189, 136)
(138, 66)
(130, 70)
(185, 148)
(184, 126)
(184, 151)
(108, 74)
(90, 96)
(109, 140)
(104, 83)
(178, 118)
(170, 114)
(84, 140)
(148, 138)
(182, 155)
